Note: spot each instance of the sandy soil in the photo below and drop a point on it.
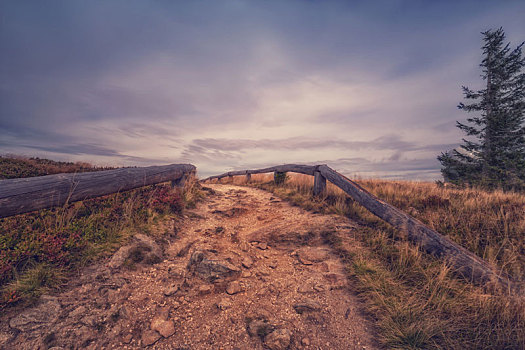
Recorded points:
(243, 270)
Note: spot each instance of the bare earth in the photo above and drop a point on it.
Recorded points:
(242, 271)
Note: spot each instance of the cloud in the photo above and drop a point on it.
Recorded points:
(227, 84)
(387, 156)
(384, 142)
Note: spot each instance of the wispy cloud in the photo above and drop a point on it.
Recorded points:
(384, 142)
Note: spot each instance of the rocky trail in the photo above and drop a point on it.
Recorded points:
(243, 270)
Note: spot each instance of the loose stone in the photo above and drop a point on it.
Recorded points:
(234, 288)
(150, 337)
(279, 339)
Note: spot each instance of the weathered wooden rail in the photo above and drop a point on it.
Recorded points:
(464, 262)
(18, 196)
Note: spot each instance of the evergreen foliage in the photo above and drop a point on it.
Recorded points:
(493, 155)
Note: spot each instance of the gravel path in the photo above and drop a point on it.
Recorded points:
(243, 270)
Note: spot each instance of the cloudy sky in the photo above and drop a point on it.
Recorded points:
(368, 87)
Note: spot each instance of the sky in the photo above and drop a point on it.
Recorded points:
(370, 88)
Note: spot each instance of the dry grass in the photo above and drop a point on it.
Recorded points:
(490, 224)
(415, 301)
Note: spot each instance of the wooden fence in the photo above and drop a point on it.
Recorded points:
(18, 196)
(464, 262)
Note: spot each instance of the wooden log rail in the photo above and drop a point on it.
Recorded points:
(18, 196)
(464, 262)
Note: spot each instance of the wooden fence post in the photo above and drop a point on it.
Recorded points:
(319, 183)
(279, 177)
(179, 182)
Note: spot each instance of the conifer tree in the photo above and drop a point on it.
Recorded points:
(493, 154)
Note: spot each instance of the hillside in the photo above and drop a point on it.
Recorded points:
(40, 250)
(238, 267)
(12, 167)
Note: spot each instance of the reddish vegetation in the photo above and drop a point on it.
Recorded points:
(67, 237)
(166, 198)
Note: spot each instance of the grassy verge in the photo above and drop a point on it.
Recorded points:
(40, 250)
(415, 301)
(12, 167)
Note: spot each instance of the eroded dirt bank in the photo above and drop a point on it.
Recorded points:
(242, 271)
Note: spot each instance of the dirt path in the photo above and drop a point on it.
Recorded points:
(242, 271)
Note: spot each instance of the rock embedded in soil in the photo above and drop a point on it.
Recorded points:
(319, 288)
(324, 267)
(163, 313)
(156, 322)
(150, 337)
(263, 272)
(205, 289)
(224, 304)
(260, 328)
(171, 290)
(247, 262)
(161, 324)
(45, 313)
(211, 269)
(177, 271)
(89, 320)
(141, 249)
(279, 339)
(304, 288)
(113, 296)
(126, 339)
(166, 328)
(307, 306)
(262, 245)
(234, 287)
(304, 261)
(122, 312)
(244, 246)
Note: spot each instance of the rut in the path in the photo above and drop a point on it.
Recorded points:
(242, 271)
